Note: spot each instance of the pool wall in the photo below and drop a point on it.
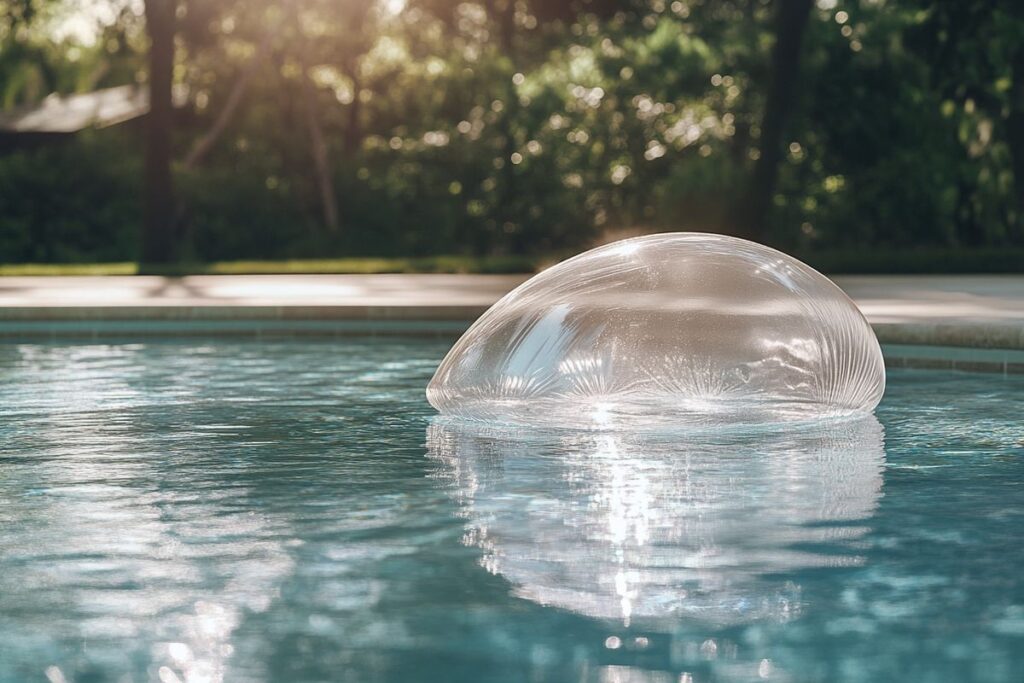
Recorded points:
(990, 348)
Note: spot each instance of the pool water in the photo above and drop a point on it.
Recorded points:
(217, 510)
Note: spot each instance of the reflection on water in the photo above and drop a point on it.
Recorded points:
(109, 531)
(645, 528)
(265, 512)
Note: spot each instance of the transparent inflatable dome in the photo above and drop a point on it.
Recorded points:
(671, 329)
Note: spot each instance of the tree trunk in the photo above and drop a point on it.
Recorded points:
(318, 150)
(502, 13)
(791, 20)
(158, 239)
(317, 142)
(205, 144)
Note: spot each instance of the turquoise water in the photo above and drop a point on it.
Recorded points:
(291, 511)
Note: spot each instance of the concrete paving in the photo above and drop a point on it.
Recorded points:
(963, 311)
(404, 291)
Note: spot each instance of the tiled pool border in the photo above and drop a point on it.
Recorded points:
(92, 329)
(967, 347)
(999, 361)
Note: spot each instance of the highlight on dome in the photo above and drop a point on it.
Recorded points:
(666, 329)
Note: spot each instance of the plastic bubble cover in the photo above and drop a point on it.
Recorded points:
(667, 329)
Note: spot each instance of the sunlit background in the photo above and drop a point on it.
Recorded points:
(860, 134)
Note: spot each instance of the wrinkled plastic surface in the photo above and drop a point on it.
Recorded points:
(671, 329)
(644, 527)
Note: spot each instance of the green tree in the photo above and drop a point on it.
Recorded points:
(158, 231)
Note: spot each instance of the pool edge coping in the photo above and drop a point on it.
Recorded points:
(960, 345)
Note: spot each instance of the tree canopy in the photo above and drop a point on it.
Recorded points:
(417, 127)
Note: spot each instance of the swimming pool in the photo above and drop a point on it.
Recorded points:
(208, 510)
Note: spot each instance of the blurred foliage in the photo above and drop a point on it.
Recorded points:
(41, 221)
(522, 128)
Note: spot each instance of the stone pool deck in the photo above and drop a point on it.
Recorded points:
(942, 321)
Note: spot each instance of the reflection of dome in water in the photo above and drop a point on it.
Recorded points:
(620, 527)
(671, 328)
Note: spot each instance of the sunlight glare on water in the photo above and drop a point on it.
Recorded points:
(294, 511)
